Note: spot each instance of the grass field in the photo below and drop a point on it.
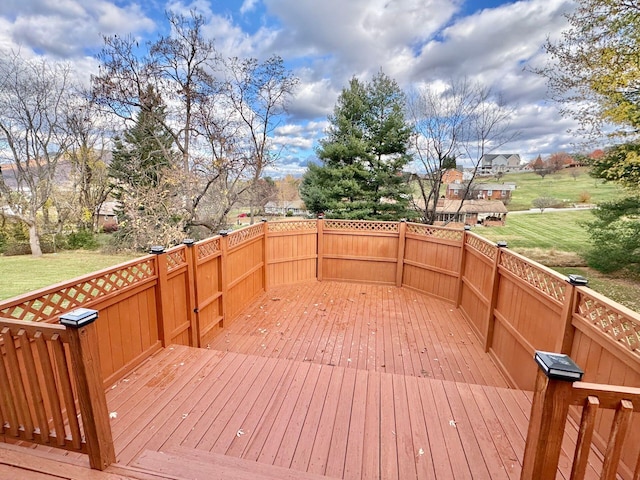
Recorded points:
(558, 240)
(22, 274)
(560, 185)
(562, 231)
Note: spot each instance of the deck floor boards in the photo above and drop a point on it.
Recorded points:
(344, 380)
(381, 328)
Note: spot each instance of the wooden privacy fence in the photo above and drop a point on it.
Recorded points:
(185, 294)
(50, 389)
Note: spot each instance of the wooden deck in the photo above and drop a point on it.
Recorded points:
(369, 327)
(324, 379)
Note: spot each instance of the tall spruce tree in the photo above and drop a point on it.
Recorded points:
(363, 155)
(145, 180)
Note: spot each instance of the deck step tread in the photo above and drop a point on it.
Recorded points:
(192, 464)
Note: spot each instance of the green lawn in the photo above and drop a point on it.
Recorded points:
(560, 185)
(561, 231)
(557, 240)
(22, 274)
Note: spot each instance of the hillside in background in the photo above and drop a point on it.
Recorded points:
(569, 186)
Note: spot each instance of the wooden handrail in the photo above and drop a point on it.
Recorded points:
(38, 403)
(551, 402)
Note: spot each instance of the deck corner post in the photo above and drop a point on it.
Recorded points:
(461, 267)
(549, 409)
(320, 247)
(224, 281)
(192, 291)
(493, 299)
(402, 237)
(163, 302)
(85, 358)
(265, 256)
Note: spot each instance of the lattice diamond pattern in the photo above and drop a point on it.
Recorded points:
(359, 225)
(293, 226)
(52, 304)
(208, 248)
(621, 328)
(176, 259)
(484, 247)
(541, 280)
(437, 232)
(236, 238)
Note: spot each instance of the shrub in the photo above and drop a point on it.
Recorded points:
(110, 226)
(584, 197)
(82, 239)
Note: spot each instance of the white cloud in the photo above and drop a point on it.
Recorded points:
(326, 42)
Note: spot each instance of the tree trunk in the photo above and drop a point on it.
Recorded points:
(34, 240)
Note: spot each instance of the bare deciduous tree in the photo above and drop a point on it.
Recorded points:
(258, 93)
(32, 137)
(461, 119)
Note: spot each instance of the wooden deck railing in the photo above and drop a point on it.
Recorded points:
(516, 306)
(51, 391)
(551, 403)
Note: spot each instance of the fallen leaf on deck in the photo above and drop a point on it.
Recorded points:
(239, 433)
(452, 423)
(113, 415)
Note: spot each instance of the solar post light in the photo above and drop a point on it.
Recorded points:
(558, 366)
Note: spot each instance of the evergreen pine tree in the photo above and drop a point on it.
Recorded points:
(363, 155)
(143, 175)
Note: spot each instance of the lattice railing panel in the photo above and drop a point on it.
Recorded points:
(482, 246)
(361, 226)
(208, 248)
(53, 303)
(538, 278)
(435, 232)
(623, 328)
(294, 226)
(245, 234)
(176, 258)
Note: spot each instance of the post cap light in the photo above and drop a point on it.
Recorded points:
(558, 366)
(189, 242)
(467, 227)
(157, 249)
(223, 233)
(502, 244)
(578, 280)
(79, 317)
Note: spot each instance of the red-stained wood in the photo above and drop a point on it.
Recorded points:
(351, 381)
(380, 328)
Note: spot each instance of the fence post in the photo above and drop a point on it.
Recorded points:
(85, 358)
(551, 399)
(461, 266)
(192, 292)
(224, 281)
(320, 247)
(493, 300)
(402, 238)
(570, 299)
(265, 253)
(163, 302)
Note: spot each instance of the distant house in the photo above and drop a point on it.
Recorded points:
(452, 176)
(107, 214)
(471, 212)
(480, 191)
(296, 207)
(491, 164)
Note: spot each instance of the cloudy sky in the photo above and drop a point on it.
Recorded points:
(326, 42)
